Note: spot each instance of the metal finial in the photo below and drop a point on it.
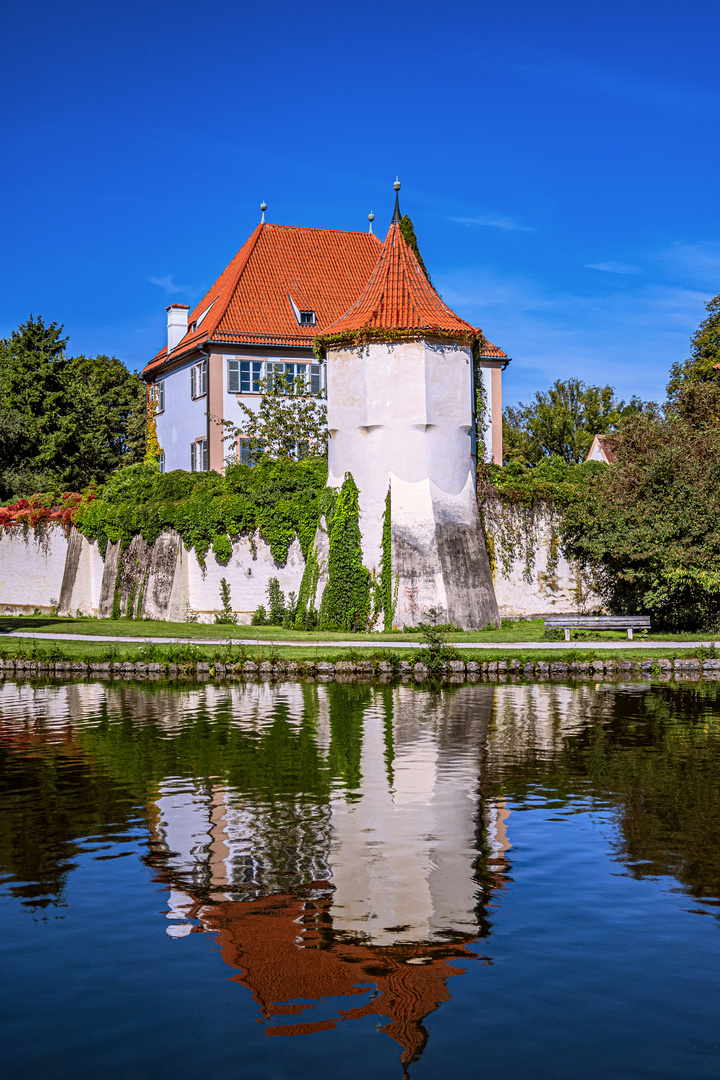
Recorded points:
(397, 216)
(263, 207)
(371, 218)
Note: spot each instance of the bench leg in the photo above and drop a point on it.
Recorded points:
(630, 637)
(567, 634)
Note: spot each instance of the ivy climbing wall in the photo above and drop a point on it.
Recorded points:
(530, 574)
(161, 580)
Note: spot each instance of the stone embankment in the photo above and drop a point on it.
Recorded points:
(344, 670)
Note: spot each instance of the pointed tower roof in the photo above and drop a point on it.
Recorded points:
(397, 302)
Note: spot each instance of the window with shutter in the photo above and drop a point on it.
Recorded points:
(251, 372)
(233, 376)
(161, 461)
(193, 448)
(160, 396)
(198, 379)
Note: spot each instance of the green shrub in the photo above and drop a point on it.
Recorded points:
(259, 616)
(226, 615)
(281, 499)
(276, 603)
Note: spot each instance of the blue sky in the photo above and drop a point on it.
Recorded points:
(559, 161)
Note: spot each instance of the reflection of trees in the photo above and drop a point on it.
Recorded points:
(55, 805)
(651, 751)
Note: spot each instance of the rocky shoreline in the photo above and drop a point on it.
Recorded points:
(345, 670)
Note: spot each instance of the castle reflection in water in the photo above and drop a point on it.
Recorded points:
(340, 841)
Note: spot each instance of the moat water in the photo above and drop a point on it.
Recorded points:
(265, 882)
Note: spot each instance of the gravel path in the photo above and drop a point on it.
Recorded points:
(493, 645)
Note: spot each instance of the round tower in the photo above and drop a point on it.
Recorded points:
(401, 422)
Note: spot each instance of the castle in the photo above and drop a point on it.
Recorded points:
(399, 369)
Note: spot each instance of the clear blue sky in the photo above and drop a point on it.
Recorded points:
(559, 161)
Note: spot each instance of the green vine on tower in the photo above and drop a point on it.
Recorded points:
(346, 602)
(408, 230)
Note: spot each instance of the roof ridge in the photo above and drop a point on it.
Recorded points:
(320, 229)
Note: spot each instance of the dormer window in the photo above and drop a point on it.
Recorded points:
(304, 318)
(196, 322)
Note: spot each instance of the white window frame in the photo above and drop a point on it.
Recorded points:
(199, 455)
(157, 396)
(161, 461)
(198, 379)
(243, 450)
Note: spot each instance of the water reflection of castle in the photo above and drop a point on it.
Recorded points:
(342, 842)
(371, 891)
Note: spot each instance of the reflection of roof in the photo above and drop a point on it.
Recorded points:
(398, 297)
(276, 943)
(323, 270)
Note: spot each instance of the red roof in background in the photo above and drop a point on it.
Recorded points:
(398, 296)
(323, 270)
(493, 352)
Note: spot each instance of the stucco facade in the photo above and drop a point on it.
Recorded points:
(400, 419)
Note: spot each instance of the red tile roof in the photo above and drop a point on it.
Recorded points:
(493, 352)
(398, 297)
(323, 270)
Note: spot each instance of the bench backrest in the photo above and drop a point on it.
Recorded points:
(604, 622)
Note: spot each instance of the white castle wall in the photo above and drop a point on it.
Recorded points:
(31, 569)
(165, 579)
(531, 576)
(248, 573)
(400, 417)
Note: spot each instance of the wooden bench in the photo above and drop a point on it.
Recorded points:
(597, 622)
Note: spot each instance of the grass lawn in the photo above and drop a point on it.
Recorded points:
(181, 653)
(530, 630)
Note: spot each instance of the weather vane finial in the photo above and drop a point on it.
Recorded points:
(263, 207)
(371, 218)
(397, 216)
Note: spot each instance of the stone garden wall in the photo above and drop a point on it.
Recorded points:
(165, 580)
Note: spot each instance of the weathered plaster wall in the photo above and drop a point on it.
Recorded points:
(162, 581)
(400, 416)
(530, 574)
(248, 572)
(433, 535)
(31, 569)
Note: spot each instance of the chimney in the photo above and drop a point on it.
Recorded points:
(177, 324)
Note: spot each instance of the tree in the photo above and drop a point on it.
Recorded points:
(119, 408)
(290, 422)
(704, 353)
(64, 421)
(650, 525)
(563, 421)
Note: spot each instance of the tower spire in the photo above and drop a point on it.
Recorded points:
(397, 217)
(263, 207)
